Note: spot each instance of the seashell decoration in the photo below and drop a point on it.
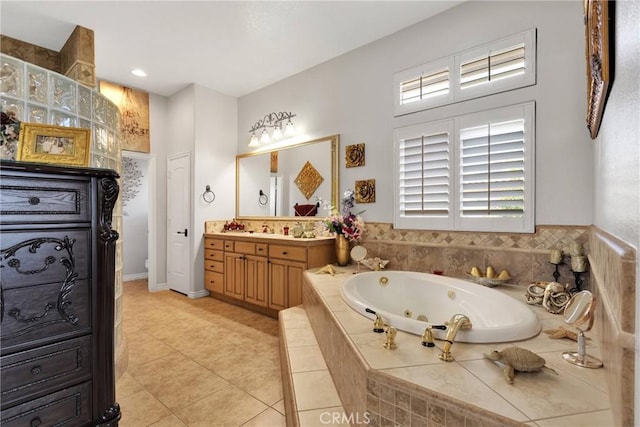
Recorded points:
(553, 296)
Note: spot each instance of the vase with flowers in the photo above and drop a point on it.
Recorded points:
(346, 225)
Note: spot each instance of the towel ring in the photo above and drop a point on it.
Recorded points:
(208, 195)
(263, 199)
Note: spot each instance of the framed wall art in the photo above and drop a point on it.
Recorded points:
(354, 155)
(54, 144)
(599, 77)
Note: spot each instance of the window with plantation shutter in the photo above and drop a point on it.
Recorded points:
(502, 65)
(473, 172)
(506, 64)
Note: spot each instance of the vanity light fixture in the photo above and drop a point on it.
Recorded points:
(271, 121)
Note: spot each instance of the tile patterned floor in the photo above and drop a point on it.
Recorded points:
(197, 362)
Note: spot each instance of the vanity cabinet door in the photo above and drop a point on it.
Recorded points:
(285, 280)
(234, 275)
(257, 277)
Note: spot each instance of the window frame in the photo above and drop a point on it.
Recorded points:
(454, 221)
(454, 62)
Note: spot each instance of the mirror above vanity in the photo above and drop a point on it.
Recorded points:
(270, 183)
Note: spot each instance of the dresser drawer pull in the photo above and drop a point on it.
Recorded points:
(284, 253)
(36, 370)
(34, 200)
(35, 422)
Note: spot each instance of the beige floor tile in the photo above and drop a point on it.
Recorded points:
(170, 421)
(141, 409)
(265, 385)
(279, 406)
(300, 337)
(314, 390)
(227, 407)
(126, 386)
(268, 418)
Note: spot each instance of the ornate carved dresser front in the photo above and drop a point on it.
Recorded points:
(57, 259)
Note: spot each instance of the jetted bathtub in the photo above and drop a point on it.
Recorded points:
(401, 297)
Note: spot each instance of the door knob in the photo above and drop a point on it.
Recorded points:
(183, 232)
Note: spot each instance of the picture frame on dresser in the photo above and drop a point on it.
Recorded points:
(67, 146)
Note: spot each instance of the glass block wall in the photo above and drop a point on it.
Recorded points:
(33, 94)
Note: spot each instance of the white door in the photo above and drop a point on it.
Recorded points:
(178, 214)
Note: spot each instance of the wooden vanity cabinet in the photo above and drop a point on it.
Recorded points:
(259, 272)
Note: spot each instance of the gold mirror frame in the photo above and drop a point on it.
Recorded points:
(335, 177)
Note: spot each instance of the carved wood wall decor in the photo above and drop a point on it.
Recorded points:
(596, 18)
(366, 191)
(354, 155)
(308, 180)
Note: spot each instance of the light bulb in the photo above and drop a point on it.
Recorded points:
(288, 129)
(254, 141)
(264, 138)
(277, 132)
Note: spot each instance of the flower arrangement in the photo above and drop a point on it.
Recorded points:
(347, 223)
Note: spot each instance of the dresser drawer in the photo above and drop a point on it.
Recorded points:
(293, 253)
(28, 372)
(214, 244)
(43, 201)
(43, 256)
(213, 255)
(217, 266)
(42, 314)
(70, 407)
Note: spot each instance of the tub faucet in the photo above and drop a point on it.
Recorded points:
(457, 322)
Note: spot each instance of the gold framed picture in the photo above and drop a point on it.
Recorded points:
(54, 144)
(599, 78)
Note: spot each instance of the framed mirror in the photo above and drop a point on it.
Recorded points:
(288, 182)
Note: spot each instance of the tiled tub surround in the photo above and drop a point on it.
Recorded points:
(411, 386)
(613, 271)
(524, 255)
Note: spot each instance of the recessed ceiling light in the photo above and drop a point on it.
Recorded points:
(138, 72)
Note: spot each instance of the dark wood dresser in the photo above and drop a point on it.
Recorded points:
(57, 260)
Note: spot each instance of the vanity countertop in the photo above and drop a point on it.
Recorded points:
(271, 237)
(576, 396)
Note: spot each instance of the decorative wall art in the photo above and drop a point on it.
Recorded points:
(354, 155)
(596, 18)
(134, 115)
(366, 191)
(54, 144)
(9, 135)
(131, 180)
(308, 180)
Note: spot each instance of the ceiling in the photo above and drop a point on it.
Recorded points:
(234, 47)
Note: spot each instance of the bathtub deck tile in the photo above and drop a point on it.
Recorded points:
(410, 352)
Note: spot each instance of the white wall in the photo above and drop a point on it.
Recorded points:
(353, 95)
(617, 160)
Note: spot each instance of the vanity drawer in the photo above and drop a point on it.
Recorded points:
(71, 406)
(213, 255)
(214, 244)
(43, 200)
(43, 314)
(293, 253)
(214, 281)
(262, 249)
(228, 245)
(217, 266)
(247, 248)
(28, 372)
